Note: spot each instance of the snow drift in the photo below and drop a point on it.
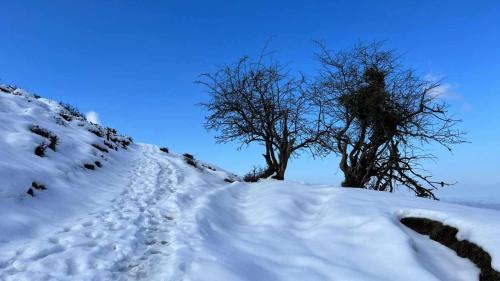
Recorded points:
(291, 231)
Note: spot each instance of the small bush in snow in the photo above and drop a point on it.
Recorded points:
(189, 159)
(40, 149)
(40, 131)
(53, 139)
(89, 166)
(209, 167)
(72, 110)
(98, 164)
(164, 149)
(7, 88)
(100, 148)
(60, 121)
(110, 133)
(228, 180)
(65, 116)
(96, 132)
(110, 145)
(255, 174)
(38, 186)
(189, 156)
(125, 144)
(31, 192)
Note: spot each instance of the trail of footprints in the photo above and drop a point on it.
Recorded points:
(123, 242)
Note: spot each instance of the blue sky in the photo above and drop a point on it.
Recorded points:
(135, 63)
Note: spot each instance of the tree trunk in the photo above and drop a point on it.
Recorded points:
(351, 180)
(280, 175)
(354, 178)
(281, 166)
(277, 166)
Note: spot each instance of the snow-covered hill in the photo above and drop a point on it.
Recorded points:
(147, 214)
(290, 231)
(49, 162)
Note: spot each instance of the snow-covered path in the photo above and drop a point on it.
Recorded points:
(171, 221)
(125, 240)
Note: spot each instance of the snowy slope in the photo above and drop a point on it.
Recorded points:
(291, 231)
(109, 223)
(126, 237)
(60, 185)
(148, 215)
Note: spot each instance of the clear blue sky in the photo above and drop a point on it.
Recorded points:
(134, 63)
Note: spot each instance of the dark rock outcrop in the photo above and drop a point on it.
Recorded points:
(447, 235)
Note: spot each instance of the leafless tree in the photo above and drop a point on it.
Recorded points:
(381, 116)
(259, 101)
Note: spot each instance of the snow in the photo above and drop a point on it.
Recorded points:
(147, 215)
(483, 196)
(122, 240)
(71, 190)
(293, 231)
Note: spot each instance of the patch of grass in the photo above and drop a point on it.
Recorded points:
(110, 145)
(65, 116)
(209, 167)
(40, 131)
(60, 121)
(126, 142)
(72, 110)
(96, 132)
(100, 148)
(53, 139)
(110, 132)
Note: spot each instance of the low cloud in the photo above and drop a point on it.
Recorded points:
(446, 91)
(92, 117)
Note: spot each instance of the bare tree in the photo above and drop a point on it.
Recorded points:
(381, 115)
(261, 102)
